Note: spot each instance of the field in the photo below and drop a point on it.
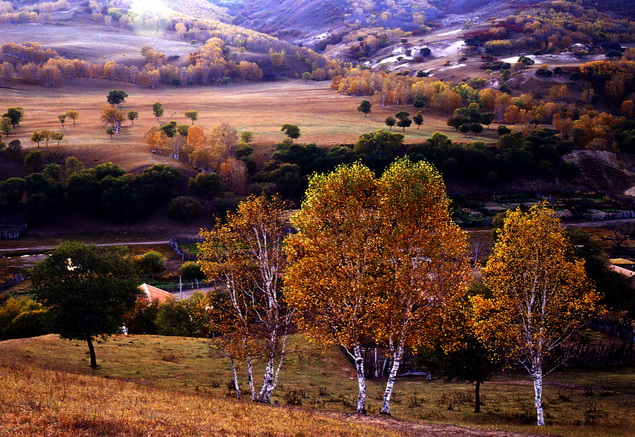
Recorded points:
(323, 116)
(578, 403)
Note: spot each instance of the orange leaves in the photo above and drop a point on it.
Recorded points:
(540, 296)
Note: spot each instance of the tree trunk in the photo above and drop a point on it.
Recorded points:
(477, 397)
(390, 384)
(537, 377)
(250, 377)
(236, 386)
(361, 379)
(91, 349)
(267, 382)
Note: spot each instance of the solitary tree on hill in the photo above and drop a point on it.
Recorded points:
(291, 130)
(87, 290)
(116, 97)
(418, 119)
(157, 110)
(192, 115)
(73, 115)
(62, 119)
(390, 121)
(132, 116)
(365, 107)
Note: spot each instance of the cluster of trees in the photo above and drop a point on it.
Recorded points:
(223, 151)
(106, 191)
(533, 154)
(554, 26)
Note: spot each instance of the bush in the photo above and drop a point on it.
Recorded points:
(207, 185)
(184, 208)
(152, 262)
(23, 317)
(191, 270)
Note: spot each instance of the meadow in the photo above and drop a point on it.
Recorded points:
(324, 117)
(148, 382)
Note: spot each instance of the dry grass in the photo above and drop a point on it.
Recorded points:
(577, 403)
(324, 116)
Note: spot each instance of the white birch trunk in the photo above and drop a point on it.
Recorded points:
(250, 377)
(390, 384)
(236, 386)
(267, 382)
(536, 375)
(361, 379)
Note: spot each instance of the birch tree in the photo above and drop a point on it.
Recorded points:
(393, 256)
(333, 279)
(540, 295)
(245, 254)
(425, 253)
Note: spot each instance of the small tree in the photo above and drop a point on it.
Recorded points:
(476, 128)
(116, 97)
(34, 161)
(192, 115)
(110, 131)
(132, 116)
(157, 110)
(307, 76)
(365, 107)
(540, 294)
(15, 114)
(404, 120)
(87, 290)
(464, 128)
(390, 121)
(14, 148)
(152, 262)
(5, 126)
(62, 119)
(291, 130)
(184, 208)
(418, 119)
(37, 137)
(57, 136)
(73, 115)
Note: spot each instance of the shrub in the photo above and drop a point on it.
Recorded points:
(184, 208)
(207, 185)
(152, 262)
(191, 270)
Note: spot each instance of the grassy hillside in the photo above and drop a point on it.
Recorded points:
(153, 371)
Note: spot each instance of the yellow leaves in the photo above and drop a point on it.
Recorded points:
(540, 296)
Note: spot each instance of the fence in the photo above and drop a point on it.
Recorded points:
(17, 279)
(11, 230)
(611, 354)
(185, 256)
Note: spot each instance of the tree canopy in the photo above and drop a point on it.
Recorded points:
(87, 290)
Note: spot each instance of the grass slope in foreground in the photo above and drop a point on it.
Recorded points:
(178, 386)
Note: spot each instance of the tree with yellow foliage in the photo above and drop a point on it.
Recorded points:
(393, 256)
(245, 254)
(540, 295)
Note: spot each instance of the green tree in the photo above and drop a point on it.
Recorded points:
(152, 262)
(192, 115)
(62, 119)
(15, 114)
(34, 161)
(116, 97)
(157, 110)
(418, 119)
(476, 128)
(404, 120)
(365, 107)
(207, 185)
(184, 208)
(464, 128)
(14, 148)
(307, 76)
(390, 121)
(86, 289)
(291, 130)
(6, 126)
(132, 116)
(109, 131)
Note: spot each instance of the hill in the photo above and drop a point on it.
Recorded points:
(179, 386)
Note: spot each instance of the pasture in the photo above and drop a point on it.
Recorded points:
(324, 117)
(595, 402)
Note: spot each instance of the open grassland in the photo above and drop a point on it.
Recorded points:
(185, 370)
(324, 117)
